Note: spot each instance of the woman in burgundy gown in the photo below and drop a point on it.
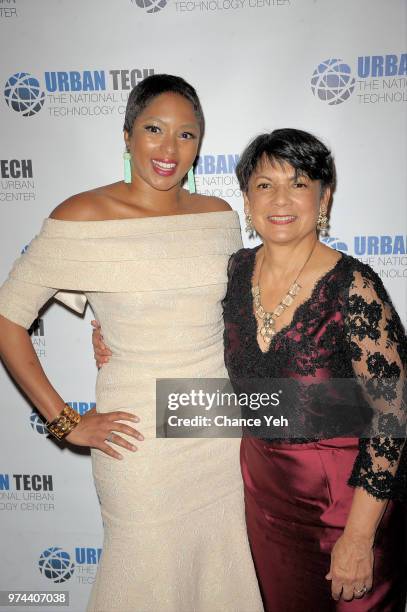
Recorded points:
(323, 516)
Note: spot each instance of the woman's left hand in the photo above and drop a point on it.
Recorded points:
(351, 568)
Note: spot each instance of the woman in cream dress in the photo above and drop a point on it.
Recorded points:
(151, 260)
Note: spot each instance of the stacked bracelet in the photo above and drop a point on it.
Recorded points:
(64, 423)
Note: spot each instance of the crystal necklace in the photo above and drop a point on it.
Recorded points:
(268, 319)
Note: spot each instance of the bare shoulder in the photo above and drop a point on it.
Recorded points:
(217, 204)
(210, 203)
(89, 205)
(79, 207)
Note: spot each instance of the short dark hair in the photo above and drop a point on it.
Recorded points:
(155, 85)
(303, 151)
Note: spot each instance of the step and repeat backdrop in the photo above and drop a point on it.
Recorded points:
(337, 69)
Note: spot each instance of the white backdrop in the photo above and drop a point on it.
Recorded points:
(337, 69)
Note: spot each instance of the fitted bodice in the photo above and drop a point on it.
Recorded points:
(155, 284)
(343, 358)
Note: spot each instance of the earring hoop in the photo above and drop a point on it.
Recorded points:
(191, 180)
(127, 167)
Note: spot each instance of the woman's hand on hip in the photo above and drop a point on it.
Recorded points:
(97, 429)
(351, 570)
(101, 352)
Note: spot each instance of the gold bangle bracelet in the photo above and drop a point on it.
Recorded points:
(64, 423)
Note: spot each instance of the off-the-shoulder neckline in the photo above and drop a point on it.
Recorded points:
(131, 219)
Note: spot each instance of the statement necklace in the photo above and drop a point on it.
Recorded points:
(268, 319)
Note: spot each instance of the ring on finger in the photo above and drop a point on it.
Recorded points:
(360, 591)
(110, 437)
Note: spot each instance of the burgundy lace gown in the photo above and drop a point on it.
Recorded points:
(298, 493)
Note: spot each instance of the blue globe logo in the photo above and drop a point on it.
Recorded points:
(332, 81)
(335, 243)
(56, 565)
(24, 94)
(37, 423)
(152, 6)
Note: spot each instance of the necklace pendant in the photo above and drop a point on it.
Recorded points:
(267, 329)
(268, 336)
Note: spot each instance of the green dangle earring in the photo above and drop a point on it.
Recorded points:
(127, 167)
(191, 180)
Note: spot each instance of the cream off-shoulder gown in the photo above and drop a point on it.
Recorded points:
(174, 528)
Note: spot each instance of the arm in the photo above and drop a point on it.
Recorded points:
(377, 344)
(21, 297)
(21, 360)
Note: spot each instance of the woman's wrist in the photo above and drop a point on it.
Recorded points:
(358, 535)
(364, 516)
(63, 423)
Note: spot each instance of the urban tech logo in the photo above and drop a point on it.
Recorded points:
(56, 565)
(37, 423)
(151, 6)
(75, 93)
(59, 566)
(372, 79)
(27, 493)
(386, 254)
(205, 6)
(332, 81)
(17, 181)
(335, 243)
(23, 94)
(82, 407)
(215, 175)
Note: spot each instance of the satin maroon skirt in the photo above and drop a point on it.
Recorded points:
(297, 502)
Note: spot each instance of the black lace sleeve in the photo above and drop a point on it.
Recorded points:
(378, 349)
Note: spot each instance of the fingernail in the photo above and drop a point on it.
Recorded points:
(133, 448)
(135, 418)
(140, 437)
(120, 457)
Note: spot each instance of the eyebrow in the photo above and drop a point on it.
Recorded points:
(291, 178)
(184, 125)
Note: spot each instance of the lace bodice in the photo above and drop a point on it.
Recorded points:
(348, 328)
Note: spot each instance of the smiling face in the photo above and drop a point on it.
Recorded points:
(284, 204)
(164, 141)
